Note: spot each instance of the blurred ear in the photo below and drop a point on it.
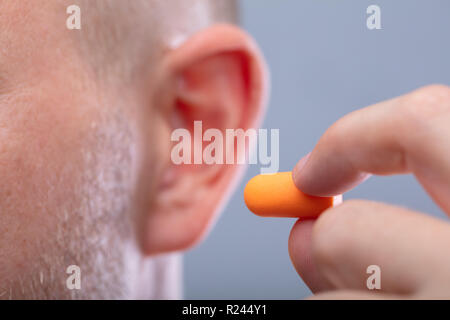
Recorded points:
(217, 77)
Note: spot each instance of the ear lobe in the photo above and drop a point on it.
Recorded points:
(219, 78)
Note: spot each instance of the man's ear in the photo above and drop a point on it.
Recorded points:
(217, 79)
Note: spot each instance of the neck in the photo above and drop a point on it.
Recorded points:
(159, 277)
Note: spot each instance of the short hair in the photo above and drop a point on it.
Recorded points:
(116, 34)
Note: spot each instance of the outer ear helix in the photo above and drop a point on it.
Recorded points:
(232, 39)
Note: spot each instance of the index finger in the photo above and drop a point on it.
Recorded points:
(407, 134)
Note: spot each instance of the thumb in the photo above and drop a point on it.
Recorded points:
(300, 252)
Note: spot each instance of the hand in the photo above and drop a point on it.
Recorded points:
(409, 134)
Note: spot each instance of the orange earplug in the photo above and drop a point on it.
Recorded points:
(275, 195)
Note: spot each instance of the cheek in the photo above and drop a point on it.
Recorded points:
(45, 149)
(67, 172)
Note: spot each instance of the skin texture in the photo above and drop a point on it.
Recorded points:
(408, 134)
(85, 164)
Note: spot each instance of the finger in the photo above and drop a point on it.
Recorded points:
(354, 295)
(301, 256)
(407, 134)
(407, 247)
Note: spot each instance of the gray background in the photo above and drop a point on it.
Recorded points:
(324, 63)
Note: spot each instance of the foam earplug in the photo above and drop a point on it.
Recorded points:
(275, 195)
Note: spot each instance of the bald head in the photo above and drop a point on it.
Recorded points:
(119, 37)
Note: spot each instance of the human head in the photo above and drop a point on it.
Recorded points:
(85, 119)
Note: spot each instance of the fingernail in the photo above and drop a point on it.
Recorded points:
(301, 164)
(298, 168)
